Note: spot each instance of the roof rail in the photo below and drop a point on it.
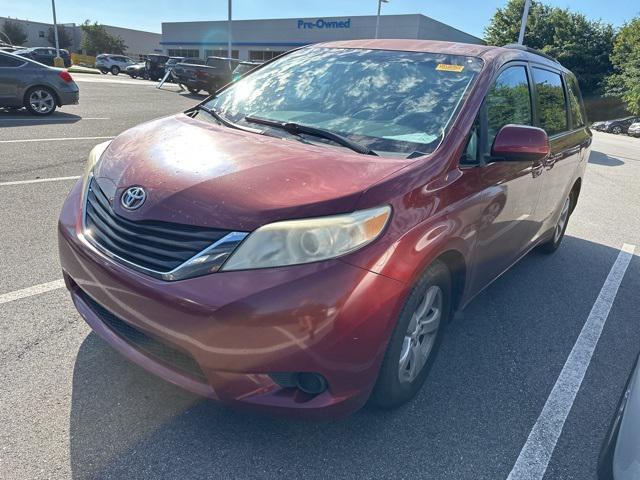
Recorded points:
(516, 46)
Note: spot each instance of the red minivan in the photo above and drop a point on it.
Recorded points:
(295, 242)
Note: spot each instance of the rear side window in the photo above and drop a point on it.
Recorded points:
(508, 101)
(552, 108)
(577, 111)
(7, 61)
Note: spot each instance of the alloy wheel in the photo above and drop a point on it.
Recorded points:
(421, 335)
(42, 101)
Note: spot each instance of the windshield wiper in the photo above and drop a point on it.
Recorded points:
(224, 121)
(297, 129)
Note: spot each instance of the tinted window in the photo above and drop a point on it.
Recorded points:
(7, 61)
(391, 101)
(552, 110)
(508, 101)
(577, 111)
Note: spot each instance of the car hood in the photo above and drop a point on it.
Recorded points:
(199, 173)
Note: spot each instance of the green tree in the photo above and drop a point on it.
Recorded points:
(64, 39)
(581, 45)
(96, 40)
(14, 32)
(625, 81)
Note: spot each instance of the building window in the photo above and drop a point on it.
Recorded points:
(41, 33)
(184, 52)
(221, 52)
(263, 55)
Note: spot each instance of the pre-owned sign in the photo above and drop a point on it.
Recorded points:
(322, 23)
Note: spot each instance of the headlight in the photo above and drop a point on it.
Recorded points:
(94, 156)
(295, 242)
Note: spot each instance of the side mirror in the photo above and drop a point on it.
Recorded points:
(520, 143)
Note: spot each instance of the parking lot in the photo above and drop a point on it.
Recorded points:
(70, 407)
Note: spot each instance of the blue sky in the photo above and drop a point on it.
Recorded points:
(468, 15)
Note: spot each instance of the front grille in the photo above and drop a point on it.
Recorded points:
(157, 350)
(152, 245)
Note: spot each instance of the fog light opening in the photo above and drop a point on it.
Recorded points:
(311, 383)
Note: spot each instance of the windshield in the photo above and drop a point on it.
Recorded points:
(388, 101)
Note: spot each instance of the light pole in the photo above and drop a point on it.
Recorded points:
(55, 28)
(523, 24)
(229, 32)
(378, 16)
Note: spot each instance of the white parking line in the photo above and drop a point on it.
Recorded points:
(38, 180)
(30, 291)
(62, 139)
(535, 455)
(50, 120)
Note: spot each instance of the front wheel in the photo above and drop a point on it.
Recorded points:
(554, 242)
(193, 91)
(115, 70)
(616, 130)
(415, 339)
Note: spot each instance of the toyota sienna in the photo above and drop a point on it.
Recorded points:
(296, 242)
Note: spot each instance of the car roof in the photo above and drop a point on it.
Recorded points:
(486, 52)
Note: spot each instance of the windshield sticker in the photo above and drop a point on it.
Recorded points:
(444, 67)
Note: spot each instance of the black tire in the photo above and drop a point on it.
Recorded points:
(115, 70)
(616, 130)
(44, 95)
(193, 91)
(554, 242)
(390, 390)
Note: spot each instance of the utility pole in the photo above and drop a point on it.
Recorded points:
(378, 16)
(55, 27)
(229, 32)
(523, 24)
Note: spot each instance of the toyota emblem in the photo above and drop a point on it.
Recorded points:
(133, 198)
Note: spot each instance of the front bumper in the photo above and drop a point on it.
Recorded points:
(634, 133)
(330, 318)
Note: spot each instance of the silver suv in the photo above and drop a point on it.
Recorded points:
(113, 63)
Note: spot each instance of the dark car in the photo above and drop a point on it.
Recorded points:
(297, 243)
(242, 69)
(618, 126)
(155, 66)
(174, 61)
(620, 453)
(45, 55)
(216, 72)
(37, 87)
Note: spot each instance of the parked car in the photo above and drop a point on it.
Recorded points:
(113, 63)
(242, 69)
(45, 55)
(618, 126)
(7, 47)
(173, 61)
(597, 126)
(634, 129)
(37, 87)
(216, 72)
(137, 70)
(296, 243)
(620, 455)
(155, 66)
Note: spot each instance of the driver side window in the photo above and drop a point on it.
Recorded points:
(508, 101)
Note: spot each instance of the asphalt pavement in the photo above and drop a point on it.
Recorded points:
(70, 407)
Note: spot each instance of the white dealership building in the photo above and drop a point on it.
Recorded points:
(263, 39)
